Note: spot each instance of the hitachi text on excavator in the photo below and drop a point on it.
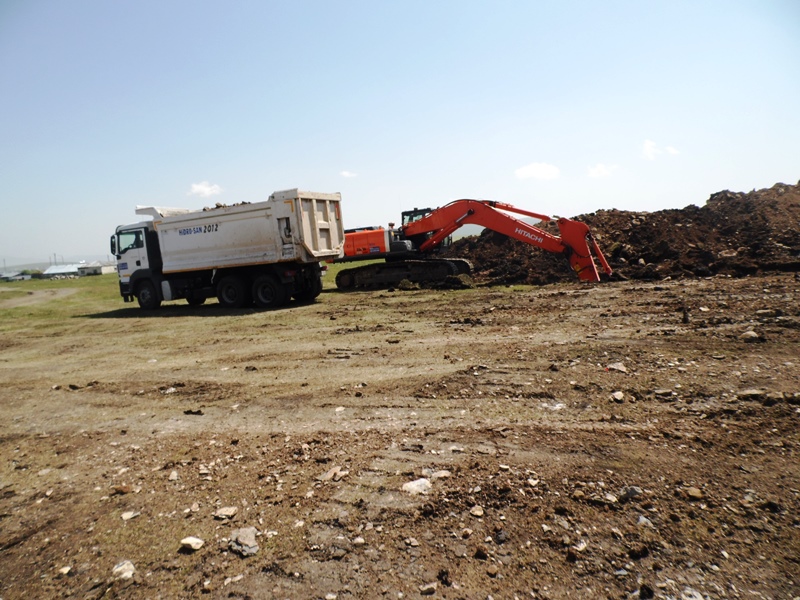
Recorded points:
(411, 250)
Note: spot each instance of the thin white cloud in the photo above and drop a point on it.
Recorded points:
(204, 189)
(538, 171)
(601, 170)
(650, 150)
(348, 174)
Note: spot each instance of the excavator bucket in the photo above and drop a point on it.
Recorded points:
(582, 249)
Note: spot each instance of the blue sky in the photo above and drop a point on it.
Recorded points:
(560, 107)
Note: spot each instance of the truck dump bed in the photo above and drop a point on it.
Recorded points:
(291, 226)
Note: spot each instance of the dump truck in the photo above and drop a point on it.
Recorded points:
(261, 253)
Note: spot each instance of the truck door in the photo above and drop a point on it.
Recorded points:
(131, 253)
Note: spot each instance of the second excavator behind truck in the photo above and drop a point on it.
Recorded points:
(410, 251)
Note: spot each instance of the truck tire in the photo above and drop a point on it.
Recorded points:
(232, 292)
(309, 294)
(195, 299)
(147, 296)
(268, 292)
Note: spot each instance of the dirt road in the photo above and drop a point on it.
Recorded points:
(620, 440)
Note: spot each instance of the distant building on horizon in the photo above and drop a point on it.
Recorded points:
(80, 269)
(13, 276)
(97, 268)
(61, 271)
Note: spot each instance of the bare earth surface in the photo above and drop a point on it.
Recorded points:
(630, 439)
(32, 297)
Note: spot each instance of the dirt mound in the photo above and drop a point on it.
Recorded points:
(734, 234)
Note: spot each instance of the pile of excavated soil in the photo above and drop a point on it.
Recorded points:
(734, 233)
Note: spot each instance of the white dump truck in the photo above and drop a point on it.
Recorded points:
(261, 253)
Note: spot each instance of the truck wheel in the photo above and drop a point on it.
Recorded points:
(193, 300)
(146, 295)
(232, 292)
(268, 292)
(311, 292)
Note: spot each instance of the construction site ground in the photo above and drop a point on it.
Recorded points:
(627, 439)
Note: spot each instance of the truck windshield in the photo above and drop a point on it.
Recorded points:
(129, 240)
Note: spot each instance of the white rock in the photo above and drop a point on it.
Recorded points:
(420, 486)
(617, 366)
(128, 515)
(226, 512)
(476, 511)
(330, 474)
(645, 522)
(192, 543)
(749, 336)
(433, 475)
(428, 589)
(629, 493)
(243, 541)
(123, 570)
(173, 476)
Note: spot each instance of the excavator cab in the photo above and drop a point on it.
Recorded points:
(417, 214)
(409, 216)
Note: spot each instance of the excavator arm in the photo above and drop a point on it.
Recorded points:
(576, 241)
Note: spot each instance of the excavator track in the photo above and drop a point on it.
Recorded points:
(462, 264)
(391, 273)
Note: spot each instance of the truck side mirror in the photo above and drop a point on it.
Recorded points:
(114, 245)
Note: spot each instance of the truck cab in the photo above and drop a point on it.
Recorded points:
(136, 249)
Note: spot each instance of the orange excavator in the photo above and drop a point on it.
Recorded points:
(409, 252)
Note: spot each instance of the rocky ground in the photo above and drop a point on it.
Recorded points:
(618, 440)
(636, 438)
